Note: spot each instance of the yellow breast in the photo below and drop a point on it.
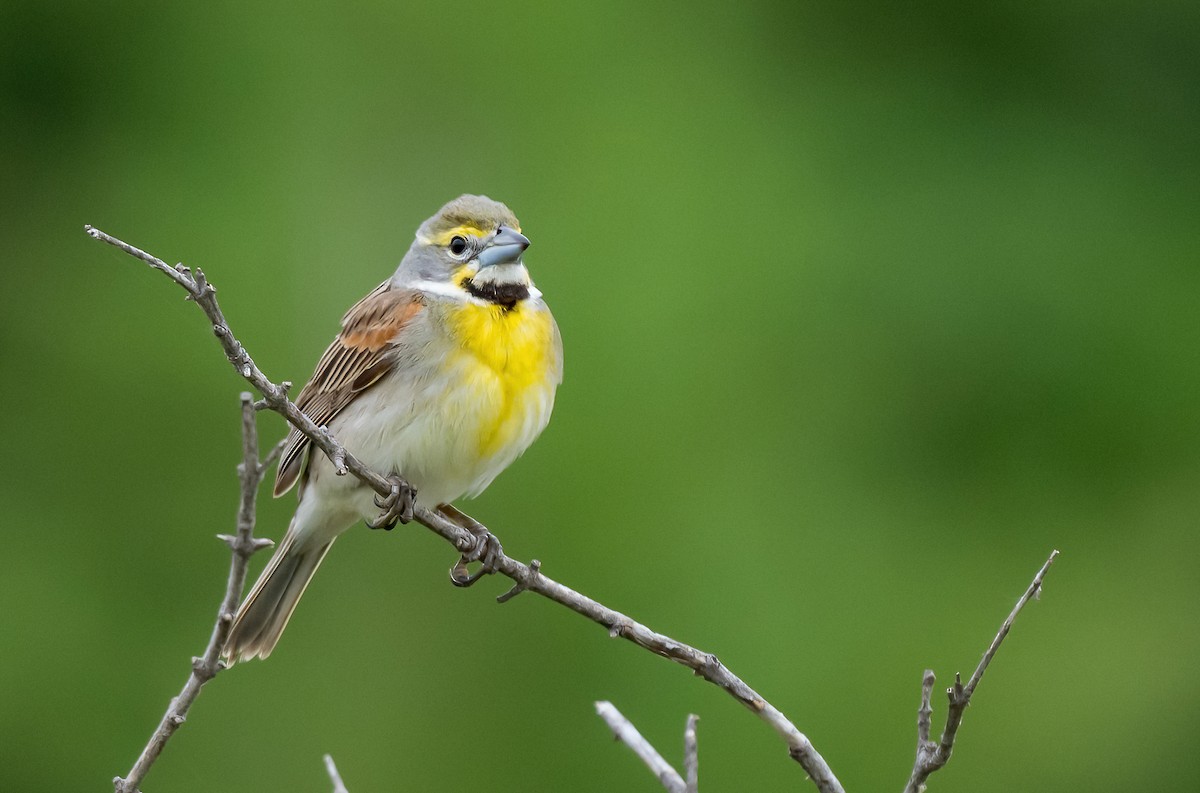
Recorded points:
(509, 358)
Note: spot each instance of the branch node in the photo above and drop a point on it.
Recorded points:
(956, 691)
(620, 627)
(339, 462)
(203, 287)
(708, 669)
(535, 568)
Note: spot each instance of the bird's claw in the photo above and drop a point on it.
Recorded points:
(487, 551)
(397, 506)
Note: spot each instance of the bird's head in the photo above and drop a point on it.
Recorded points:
(473, 244)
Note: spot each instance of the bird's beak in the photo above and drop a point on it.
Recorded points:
(504, 248)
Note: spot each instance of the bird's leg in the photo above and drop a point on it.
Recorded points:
(396, 506)
(487, 550)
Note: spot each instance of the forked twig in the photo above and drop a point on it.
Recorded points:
(933, 755)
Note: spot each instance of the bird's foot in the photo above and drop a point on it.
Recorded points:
(486, 550)
(397, 506)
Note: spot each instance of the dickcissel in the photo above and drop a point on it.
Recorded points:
(443, 375)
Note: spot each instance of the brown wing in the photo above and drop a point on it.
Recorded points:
(355, 361)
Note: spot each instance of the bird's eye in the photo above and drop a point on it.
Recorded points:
(458, 245)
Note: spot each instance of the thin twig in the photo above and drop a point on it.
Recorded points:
(242, 545)
(334, 776)
(933, 755)
(627, 734)
(925, 712)
(703, 664)
(691, 755)
(204, 295)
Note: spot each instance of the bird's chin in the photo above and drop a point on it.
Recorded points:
(511, 274)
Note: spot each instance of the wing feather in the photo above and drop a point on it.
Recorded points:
(357, 359)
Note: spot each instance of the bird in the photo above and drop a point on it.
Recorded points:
(441, 376)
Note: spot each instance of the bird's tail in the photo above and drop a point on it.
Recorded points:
(266, 610)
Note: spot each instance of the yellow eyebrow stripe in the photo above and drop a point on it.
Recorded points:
(464, 230)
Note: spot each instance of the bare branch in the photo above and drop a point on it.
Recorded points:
(205, 668)
(931, 755)
(1034, 592)
(334, 776)
(703, 664)
(691, 755)
(627, 734)
(274, 395)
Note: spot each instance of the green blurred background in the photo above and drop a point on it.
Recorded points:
(866, 307)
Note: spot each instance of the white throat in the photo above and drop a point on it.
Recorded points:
(513, 273)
